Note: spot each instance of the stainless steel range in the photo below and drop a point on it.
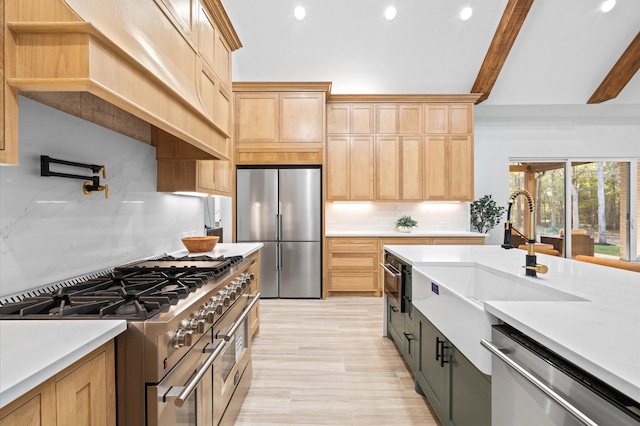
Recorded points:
(185, 358)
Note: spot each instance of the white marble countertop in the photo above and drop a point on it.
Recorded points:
(34, 351)
(600, 335)
(396, 233)
(225, 249)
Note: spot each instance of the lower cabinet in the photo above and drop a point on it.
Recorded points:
(400, 330)
(458, 392)
(82, 394)
(254, 315)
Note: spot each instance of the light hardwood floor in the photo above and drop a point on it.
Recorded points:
(326, 362)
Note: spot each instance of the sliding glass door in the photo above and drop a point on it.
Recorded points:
(598, 199)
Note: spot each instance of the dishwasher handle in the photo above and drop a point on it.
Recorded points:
(583, 418)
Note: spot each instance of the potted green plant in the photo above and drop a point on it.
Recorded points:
(485, 214)
(405, 223)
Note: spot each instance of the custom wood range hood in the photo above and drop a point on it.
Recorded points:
(166, 65)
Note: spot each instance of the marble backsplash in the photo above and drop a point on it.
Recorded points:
(51, 231)
(369, 216)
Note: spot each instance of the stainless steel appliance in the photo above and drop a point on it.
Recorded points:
(281, 208)
(398, 307)
(186, 355)
(531, 385)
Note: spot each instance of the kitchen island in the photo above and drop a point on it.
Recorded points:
(598, 330)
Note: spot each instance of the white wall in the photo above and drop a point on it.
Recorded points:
(51, 231)
(583, 132)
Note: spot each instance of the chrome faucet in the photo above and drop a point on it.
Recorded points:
(531, 266)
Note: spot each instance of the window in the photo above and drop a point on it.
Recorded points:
(594, 197)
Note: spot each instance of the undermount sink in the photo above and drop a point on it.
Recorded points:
(453, 297)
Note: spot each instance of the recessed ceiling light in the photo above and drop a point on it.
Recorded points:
(607, 5)
(465, 14)
(299, 13)
(390, 13)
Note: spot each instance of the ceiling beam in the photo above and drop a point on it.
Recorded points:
(620, 74)
(512, 19)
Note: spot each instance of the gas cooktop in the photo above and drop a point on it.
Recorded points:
(136, 291)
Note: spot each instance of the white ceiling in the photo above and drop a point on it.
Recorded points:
(564, 50)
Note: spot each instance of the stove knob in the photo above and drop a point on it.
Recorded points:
(194, 324)
(219, 306)
(208, 314)
(230, 293)
(182, 338)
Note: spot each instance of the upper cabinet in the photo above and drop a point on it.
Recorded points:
(279, 123)
(422, 146)
(173, 71)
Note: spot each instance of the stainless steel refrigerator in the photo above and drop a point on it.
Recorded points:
(281, 208)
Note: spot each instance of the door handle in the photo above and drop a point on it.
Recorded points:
(583, 418)
(440, 347)
(180, 394)
(234, 327)
(393, 273)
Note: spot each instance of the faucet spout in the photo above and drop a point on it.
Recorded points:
(531, 265)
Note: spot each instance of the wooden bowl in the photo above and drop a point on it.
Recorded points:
(200, 244)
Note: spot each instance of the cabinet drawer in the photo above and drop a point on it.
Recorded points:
(457, 240)
(352, 245)
(368, 261)
(353, 281)
(403, 241)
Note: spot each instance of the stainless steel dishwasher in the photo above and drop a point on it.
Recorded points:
(532, 385)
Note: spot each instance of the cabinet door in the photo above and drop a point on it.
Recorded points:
(214, 177)
(301, 117)
(460, 175)
(387, 119)
(470, 394)
(338, 159)
(410, 119)
(361, 172)
(82, 397)
(461, 119)
(257, 117)
(338, 118)
(412, 166)
(365, 281)
(387, 168)
(28, 414)
(362, 118)
(437, 168)
(431, 376)
(436, 118)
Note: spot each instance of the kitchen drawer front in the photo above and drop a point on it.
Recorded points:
(352, 281)
(402, 241)
(352, 244)
(458, 240)
(350, 261)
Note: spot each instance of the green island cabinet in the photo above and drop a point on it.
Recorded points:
(400, 328)
(457, 391)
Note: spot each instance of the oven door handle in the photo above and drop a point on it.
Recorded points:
(236, 324)
(181, 393)
(579, 415)
(386, 267)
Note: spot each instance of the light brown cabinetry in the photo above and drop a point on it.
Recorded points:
(423, 146)
(279, 123)
(352, 266)
(180, 84)
(83, 393)
(350, 164)
(209, 177)
(448, 168)
(254, 315)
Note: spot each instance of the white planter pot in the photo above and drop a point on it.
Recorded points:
(404, 228)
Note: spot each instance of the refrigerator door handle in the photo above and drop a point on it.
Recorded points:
(278, 256)
(279, 227)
